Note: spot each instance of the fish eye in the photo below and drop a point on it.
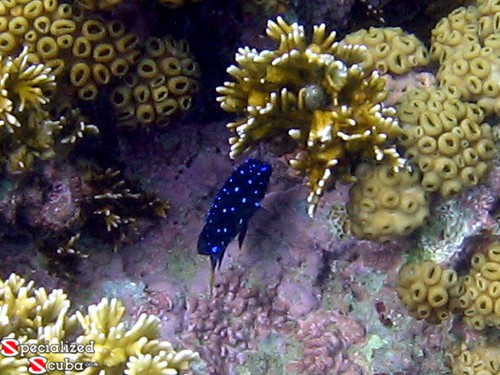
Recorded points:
(250, 182)
(242, 172)
(236, 189)
(243, 200)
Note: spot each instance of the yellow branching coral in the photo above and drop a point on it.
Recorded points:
(36, 317)
(315, 96)
(26, 131)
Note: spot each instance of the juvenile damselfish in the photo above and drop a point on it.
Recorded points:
(233, 206)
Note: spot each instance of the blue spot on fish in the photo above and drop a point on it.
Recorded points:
(237, 201)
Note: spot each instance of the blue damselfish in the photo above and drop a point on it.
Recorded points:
(233, 206)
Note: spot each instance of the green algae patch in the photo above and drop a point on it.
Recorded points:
(274, 356)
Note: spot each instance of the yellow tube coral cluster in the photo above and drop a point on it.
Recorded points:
(389, 49)
(446, 139)
(480, 290)
(467, 45)
(315, 96)
(101, 51)
(161, 87)
(44, 25)
(384, 204)
(35, 317)
(427, 290)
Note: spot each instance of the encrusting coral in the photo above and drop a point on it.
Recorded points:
(315, 97)
(445, 138)
(384, 204)
(34, 317)
(389, 49)
(467, 45)
(161, 87)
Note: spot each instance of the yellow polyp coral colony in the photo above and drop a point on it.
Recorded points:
(35, 317)
(480, 290)
(466, 44)
(446, 139)
(426, 289)
(483, 359)
(161, 86)
(384, 204)
(316, 95)
(389, 49)
(431, 292)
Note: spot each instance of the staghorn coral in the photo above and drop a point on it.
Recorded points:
(384, 204)
(389, 49)
(427, 290)
(467, 44)
(446, 139)
(160, 88)
(314, 95)
(34, 317)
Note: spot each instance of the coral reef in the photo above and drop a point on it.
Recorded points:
(384, 204)
(446, 139)
(389, 49)
(35, 317)
(160, 88)
(315, 98)
(466, 44)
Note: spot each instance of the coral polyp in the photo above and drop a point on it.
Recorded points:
(315, 95)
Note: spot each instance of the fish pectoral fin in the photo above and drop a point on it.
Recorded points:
(243, 232)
